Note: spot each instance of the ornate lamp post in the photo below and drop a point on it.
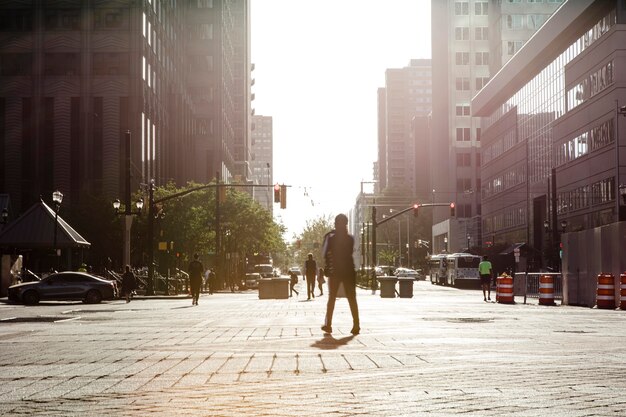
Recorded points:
(128, 221)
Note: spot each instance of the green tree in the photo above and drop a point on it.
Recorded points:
(312, 238)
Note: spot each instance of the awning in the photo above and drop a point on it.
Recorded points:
(35, 230)
(512, 248)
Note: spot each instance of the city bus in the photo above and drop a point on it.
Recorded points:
(462, 268)
(437, 268)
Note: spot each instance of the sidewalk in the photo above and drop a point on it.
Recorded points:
(441, 353)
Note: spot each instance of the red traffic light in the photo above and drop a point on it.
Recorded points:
(452, 210)
(415, 209)
(276, 193)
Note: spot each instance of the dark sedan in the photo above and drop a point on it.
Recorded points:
(64, 286)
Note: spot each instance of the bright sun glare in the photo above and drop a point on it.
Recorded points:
(318, 65)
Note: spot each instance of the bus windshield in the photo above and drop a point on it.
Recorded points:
(468, 262)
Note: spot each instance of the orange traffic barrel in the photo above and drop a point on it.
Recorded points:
(504, 290)
(605, 296)
(622, 292)
(546, 290)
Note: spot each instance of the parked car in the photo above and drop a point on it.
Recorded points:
(266, 270)
(408, 273)
(64, 286)
(252, 280)
(383, 270)
(296, 270)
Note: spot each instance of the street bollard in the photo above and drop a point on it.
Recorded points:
(605, 295)
(504, 289)
(546, 290)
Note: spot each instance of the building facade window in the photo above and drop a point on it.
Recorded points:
(462, 58)
(481, 8)
(481, 33)
(462, 134)
(481, 58)
(462, 83)
(461, 33)
(16, 64)
(461, 8)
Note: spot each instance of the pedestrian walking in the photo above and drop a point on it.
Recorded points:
(485, 270)
(129, 283)
(310, 271)
(294, 280)
(195, 278)
(338, 248)
(321, 280)
(212, 282)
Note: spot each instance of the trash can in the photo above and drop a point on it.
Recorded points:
(266, 289)
(281, 287)
(387, 286)
(406, 287)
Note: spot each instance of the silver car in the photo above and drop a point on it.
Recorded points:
(64, 286)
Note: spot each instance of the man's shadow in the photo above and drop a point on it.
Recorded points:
(328, 342)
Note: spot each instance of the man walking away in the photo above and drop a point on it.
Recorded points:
(195, 278)
(310, 270)
(129, 283)
(485, 270)
(338, 248)
(321, 280)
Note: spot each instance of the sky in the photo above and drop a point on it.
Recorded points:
(318, 66)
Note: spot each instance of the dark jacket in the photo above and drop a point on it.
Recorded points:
(338, 248)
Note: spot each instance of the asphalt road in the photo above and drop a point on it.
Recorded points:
(441, 353)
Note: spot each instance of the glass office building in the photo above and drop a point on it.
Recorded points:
(550, 163)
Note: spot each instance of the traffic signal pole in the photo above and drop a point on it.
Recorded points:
(375, 224)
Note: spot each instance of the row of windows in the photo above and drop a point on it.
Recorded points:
(63, 19)
(542, 100)
(480, 58)
(463, 83)
(505, 181)
(461, 8)
(500, 146)
(462, 33)
(588, 195)
(108, 63)
(596, 138)
(514, 217)
(520, 21)
(591, 85)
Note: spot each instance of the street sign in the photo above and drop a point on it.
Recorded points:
(516, 258)
(516, 251)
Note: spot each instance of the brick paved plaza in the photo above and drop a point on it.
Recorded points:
(441, 353)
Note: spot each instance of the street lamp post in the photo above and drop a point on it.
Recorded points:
(445, 244)
(57, 198)
(128, 221)
(150, 287)
(469, 238)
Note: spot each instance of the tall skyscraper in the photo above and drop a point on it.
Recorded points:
(75, 76)
(407, 94)
(261, 163)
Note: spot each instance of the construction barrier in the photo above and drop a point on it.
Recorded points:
(605, 295)
(622, 292)
(504, 289)
(546, 290)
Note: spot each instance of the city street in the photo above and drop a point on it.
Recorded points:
(443, 352)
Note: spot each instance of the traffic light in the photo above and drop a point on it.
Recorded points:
(283, 196)
(452, 209)
(276, 193)
(415, 209)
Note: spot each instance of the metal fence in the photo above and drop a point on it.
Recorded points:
(526, 284)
